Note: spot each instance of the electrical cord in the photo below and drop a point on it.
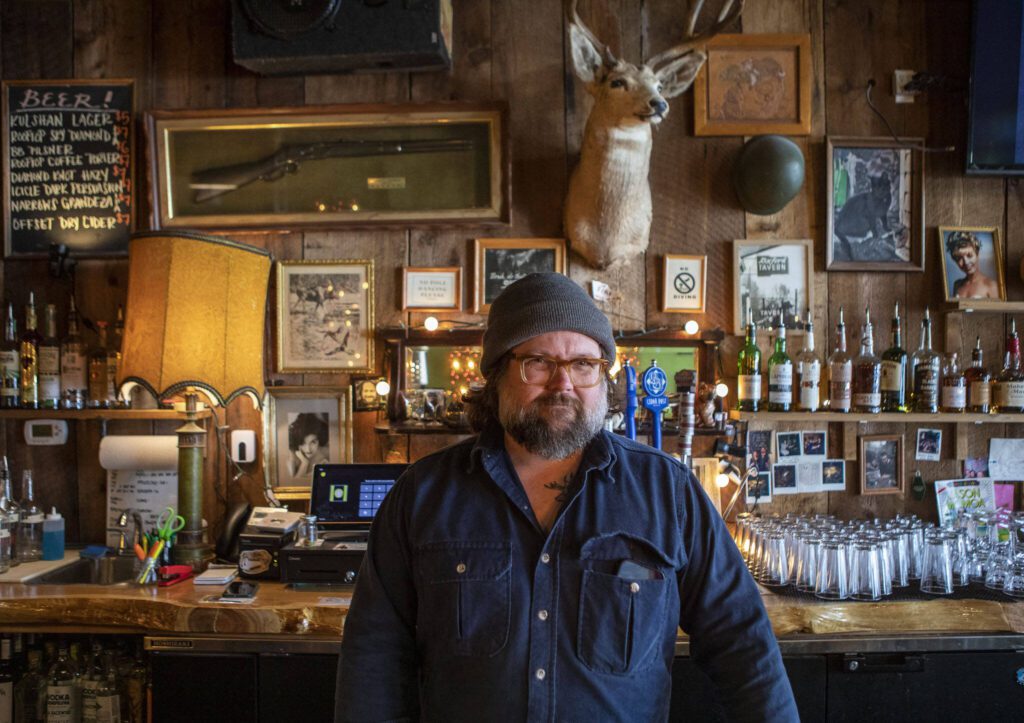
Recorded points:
(914, 146)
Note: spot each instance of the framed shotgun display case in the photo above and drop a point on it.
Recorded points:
(435, 164)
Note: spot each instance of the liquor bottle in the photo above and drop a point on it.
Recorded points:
(894, 370)
(6, 681)
(73, 379)
(808, 372)
(979, 382)
(49, 361)
(28, 700)
(954, 386)
(5, 546)
(28, 349)
(10, 362)
(867, 372)
(93, 677)
(749, 369)
(30, 530)
(114, 357)
(780, 374)
(1009, 387)
(925, 365)
(107, 698)
(10, 507)
(59, 699)
(99, 370)
(840, 371)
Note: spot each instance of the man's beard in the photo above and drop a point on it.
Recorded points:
(572, 428)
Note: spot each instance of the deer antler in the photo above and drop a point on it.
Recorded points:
(730, 11)
(574, 17)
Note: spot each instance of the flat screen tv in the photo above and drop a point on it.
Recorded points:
(995, 135)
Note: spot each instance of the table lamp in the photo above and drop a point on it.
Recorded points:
(194, 325)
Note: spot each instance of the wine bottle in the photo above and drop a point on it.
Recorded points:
(748, 365)
(780, 374)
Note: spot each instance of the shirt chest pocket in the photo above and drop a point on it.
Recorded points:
(465, 591)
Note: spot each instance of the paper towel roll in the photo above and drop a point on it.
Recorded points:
(131, 452)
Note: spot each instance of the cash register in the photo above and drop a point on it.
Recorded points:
(344, 499)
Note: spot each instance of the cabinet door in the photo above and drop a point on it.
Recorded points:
(297, 688)
(216, 687)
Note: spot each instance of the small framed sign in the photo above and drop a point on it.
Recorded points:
(432, 289)
(684, 289)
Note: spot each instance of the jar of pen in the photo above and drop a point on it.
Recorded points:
(155, 549)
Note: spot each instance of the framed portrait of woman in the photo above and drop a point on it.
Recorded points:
(972, 263)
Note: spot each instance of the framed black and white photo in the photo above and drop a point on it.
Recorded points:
(304, 427)
(833, 474)
(789, 444)
(437, 288)
(972, 263)
(500, 262)
(325, 316)
(875, 201)
(929, 445)
(683, 287)
(881, 464)
(365, 394)
(774, 278)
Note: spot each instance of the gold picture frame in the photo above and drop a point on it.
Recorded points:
(324, 316)
(501, 261)
(752, 84)
(988, 256)
(431, 288)
(684, 284)
(302, 427)
(884, 454)
(332, 165)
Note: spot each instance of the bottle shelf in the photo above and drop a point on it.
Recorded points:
(99, 414)
(883, 418)
(987, 306)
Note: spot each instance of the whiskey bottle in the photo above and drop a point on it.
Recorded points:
(979, 382)
(748, 365)
(808, 372)
(894, 370)
(10, 362)
(73, 379)
(780, 374)
(925, 365)
(867, 372)
(840, 371)
(49, 361)
(1009, 387)
(28, 352)
(954, 386)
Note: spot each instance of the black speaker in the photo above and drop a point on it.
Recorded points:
(300, 37)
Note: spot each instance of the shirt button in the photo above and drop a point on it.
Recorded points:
(542, 615)
(539, 675)
(634, 587)
(461, 568)
(545, 558)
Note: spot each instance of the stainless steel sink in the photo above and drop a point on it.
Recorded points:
(105, 571)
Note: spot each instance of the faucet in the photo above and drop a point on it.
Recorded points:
(123, 548)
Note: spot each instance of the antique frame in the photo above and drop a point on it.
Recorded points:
(301, 284)
(331, 165)
(995, 259)
(521, 253)
(898, 484)
(304, 407)
(745, 248)
(870, 160)
(726, 85)
(678, 284)
(444, 292)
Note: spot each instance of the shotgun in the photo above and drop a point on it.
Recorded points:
(214, 182)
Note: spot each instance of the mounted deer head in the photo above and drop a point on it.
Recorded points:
(608, 209)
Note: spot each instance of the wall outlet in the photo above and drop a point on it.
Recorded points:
(600, 290)
(900, 78)
(243, 445)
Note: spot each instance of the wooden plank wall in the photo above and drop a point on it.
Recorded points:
(178, 52)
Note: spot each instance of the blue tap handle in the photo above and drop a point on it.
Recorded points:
(631, 404)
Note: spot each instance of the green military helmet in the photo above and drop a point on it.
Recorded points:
(767, 174)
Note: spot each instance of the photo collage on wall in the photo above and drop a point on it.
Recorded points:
(802, 465)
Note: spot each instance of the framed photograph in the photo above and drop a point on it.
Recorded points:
(325, 316)
(303, 427)
(789, 444)
(774, 279)
(881, 464)
(329, 165)
(972, 263)
(436, 288)
(875, 193)
(365, 397)
(784, 479)
(753, 84)
(815, 444)
(833, 474)
(759, 450)
(683, 288)
(502, 261)
(929, 445)
(760, 489)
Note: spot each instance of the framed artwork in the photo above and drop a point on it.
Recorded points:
(881, 464)
(759, 450)
(325, 316)
(436, 288)
(684, 283)
(329, 165)
(303, 427)
(502, 261)
(972, 263)
(875, 193)
(759, 489)
(365, 397)
(774, 278)
(753, 84)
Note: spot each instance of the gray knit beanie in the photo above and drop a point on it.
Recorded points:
(538, 304)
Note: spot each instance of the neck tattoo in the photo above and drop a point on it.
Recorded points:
(562, 487)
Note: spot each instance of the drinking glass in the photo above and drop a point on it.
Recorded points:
(901, 558)
(809, 551)
(1013, 585)
(915, 549)
(865, 572)
(937, 566)
(832, 582)
(776, 568)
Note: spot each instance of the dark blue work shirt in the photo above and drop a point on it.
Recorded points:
(466, 610)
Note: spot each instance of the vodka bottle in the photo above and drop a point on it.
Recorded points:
(29, 701)
(10, 507)
(60, 689)
(107, 698)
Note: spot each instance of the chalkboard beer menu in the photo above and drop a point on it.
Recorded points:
(67, 163)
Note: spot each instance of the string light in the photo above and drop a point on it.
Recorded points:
(430, 323)
(722, 390)
(383, 388)
(691, 327)
(463, 366)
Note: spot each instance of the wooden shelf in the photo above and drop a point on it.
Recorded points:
(108, 414)
(987, 306)
(419, 428)
(884, 418)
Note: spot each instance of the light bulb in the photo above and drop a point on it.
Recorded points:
(383, 388)
(722, 390)
(430, 323)
(691, 327)
(722, 480)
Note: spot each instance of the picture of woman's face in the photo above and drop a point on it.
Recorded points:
(309, 445)
(966, 259)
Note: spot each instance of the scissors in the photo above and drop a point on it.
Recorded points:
(169, 524)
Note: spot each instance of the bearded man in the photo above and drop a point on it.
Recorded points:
(539, 571)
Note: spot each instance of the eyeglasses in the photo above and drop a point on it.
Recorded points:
(540, 370)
